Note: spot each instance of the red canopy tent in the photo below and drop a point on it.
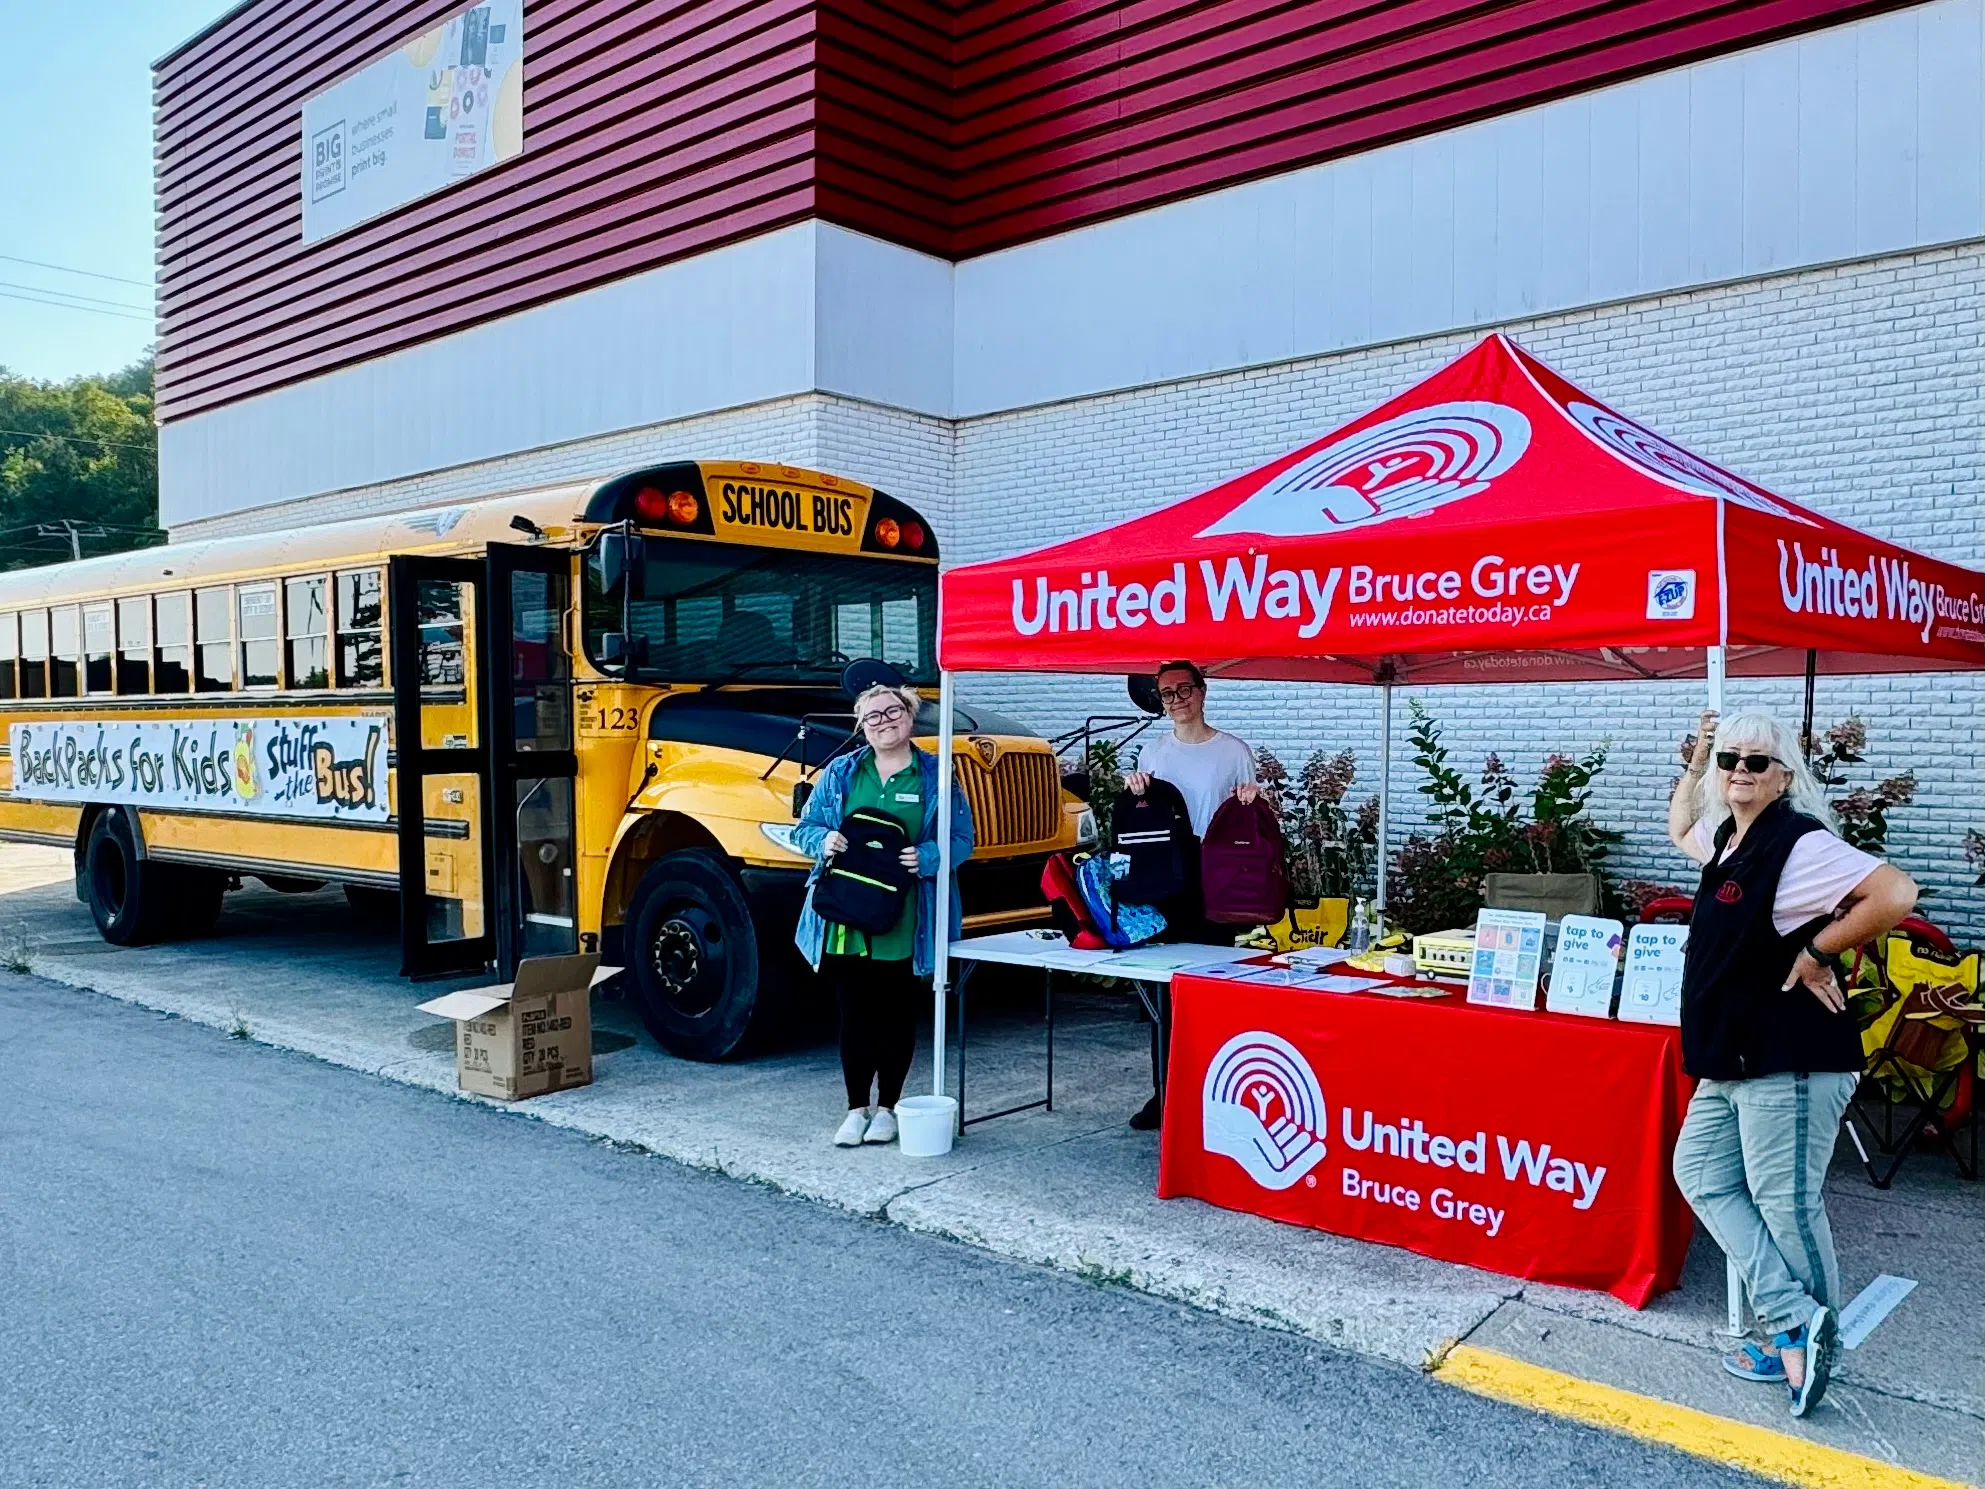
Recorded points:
(1493, 523)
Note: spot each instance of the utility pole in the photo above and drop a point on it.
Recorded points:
(74, 532)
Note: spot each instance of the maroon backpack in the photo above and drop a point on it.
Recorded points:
(1240, 864)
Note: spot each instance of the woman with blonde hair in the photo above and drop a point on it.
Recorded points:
(876, 975)
(1766, 1031)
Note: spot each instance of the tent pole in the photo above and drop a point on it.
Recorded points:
(940, 979)
(1716, 679)
(1384, 785)
(1806, 730)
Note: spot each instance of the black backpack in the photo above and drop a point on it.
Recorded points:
(1155, 831)
(866, 886)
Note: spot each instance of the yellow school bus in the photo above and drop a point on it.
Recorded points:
(572, 718)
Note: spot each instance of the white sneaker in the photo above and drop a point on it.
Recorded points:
(849, 1134)
(882, 1129)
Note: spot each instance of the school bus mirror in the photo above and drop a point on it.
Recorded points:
(613, 646)
(802, 792)
(609, 561)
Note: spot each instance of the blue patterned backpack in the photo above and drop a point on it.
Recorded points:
(1123, 926)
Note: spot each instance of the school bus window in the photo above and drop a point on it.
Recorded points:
(97, 647)
(443, 662)
(306, 626)
(34, 653)
(214, 640)
(10, 647)
(65, 650)
(360, 657)
(172, 665)
(255, 606)
(134, 645)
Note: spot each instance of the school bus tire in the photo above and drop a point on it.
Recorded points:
(130, 898)
(693, 957)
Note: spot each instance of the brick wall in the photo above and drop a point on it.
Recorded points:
(1859, 389)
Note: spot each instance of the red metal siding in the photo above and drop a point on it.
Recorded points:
(652, 130)
(660, 128)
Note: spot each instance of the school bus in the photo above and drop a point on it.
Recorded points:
(572, 718)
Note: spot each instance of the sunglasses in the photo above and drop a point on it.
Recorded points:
(887, 715)
(1755, 764)
(1178, 694)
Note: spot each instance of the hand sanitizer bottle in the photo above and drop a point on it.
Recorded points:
(1361, 928)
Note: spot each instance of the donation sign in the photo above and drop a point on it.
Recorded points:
(321, 769)
(1651, 990)
(1535, 1146)
(1587, 960)
(446, 105)
(1509, 955)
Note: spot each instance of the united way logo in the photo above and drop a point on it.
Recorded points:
(1405, 467)
(1262, 1107)
(1670, 463)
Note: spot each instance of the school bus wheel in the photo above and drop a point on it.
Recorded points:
(693, 956)
(130, 898)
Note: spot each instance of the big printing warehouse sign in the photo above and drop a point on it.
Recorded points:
(446, 105)
(323, 769)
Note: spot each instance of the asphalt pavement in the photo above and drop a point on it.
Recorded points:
(227, 1265)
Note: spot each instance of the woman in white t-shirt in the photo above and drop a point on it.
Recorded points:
(1207, 765)
(1766, 1031)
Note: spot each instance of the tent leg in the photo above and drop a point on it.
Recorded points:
(1806, 729)
(1384, 787)
(1716, 660)
(941, 923)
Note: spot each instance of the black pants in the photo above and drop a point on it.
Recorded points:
(879, 1003)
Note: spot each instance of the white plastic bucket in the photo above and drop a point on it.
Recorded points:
(925, 1125)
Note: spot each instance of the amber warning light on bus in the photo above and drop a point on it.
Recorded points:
(674, 508)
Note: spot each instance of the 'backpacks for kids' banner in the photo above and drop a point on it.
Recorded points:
(1240, 864)
(1065, 906)
(1154, 831)
(865, 887)
(1121, 924)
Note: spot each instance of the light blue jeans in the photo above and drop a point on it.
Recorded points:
(1751, 1160)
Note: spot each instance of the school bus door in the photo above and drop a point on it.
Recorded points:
(485, 768)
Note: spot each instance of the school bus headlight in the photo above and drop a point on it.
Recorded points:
(887, 533)
(781, 833)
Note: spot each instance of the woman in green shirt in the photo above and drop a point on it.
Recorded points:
(876, 976)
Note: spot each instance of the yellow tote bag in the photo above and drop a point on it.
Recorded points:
(1321, 924)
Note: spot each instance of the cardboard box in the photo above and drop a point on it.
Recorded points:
(524, 1038)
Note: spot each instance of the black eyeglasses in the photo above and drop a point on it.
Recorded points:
(1755, 764)
(1178, 694)
(887, 715)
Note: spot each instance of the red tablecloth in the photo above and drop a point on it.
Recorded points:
(1534, 1144)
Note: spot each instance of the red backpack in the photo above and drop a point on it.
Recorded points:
(1240, 864)
(1063, 892)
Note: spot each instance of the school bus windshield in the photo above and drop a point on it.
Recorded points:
(701, 612)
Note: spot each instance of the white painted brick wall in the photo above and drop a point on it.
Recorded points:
(1858, 389)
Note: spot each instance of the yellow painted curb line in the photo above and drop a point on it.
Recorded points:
(1774, 1455)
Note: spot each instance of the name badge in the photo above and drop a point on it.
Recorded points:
(910, 796)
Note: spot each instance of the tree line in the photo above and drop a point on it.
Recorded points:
(78, 466)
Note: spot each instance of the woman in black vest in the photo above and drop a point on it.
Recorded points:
(1766, 1031)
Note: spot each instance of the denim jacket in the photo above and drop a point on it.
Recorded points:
(829, 804)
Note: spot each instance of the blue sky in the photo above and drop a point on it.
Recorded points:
(76, 175)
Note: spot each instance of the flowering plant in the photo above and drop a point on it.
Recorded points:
(1332, 852)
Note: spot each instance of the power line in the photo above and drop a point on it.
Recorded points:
(62, 305)
(143, 284)
(77, 439)
(72, 295)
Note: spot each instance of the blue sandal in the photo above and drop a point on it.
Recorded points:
(1824, 1336)
(1749, 1361)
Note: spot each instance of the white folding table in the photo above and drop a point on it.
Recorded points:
(1150, 970)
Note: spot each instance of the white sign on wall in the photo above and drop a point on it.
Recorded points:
(1651, 991)
(324, 769)
(446, 105)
